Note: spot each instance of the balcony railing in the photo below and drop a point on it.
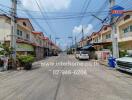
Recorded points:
(99, 41)
(126, 35)
(107, 40)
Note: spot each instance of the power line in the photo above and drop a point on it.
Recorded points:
(30, 17)
(85, 9)
(38, 4)
(55, 18)
(84, 12)
(4, 11)
(61, 18)
(103, 6)
(70, 14)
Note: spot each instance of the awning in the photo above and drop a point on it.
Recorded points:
(102, 43)
(88, 47)
(78, 48)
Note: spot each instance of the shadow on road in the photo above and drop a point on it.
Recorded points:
(124, 72)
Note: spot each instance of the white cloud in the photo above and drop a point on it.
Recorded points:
(30, 4)
(77, 29)
(56, 4)
(52, 5)
(87, 29)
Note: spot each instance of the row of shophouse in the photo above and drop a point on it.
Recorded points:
(28, 40)
(103, 38)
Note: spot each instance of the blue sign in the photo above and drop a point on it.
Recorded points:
(117, 11)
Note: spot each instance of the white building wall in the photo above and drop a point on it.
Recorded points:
(5, 30)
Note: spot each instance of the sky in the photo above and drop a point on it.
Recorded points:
(61, 18)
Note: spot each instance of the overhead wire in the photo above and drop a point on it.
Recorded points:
(4, 11)
(84, 9)
(69, 15)
(39, 6)
(64, 16)
(103, 6)
(30, 17)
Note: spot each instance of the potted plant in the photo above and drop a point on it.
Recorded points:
(26, 61)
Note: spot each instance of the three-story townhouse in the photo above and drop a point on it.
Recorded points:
(23, 34)
(39, 49)
(124, 30)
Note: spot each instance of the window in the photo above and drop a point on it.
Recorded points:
(96, 40)
(108, 36)
(24, 24)
(99, 37)
(126, 17)
(27, 36)
(125, 30)
(19, 33)
(40, 42)
(130, 28)
(37, 40)
(105, 28)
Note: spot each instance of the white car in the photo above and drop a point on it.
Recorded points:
(83, 55)
(77, 53)
(124, 63)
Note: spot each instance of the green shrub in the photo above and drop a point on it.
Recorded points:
(26, 59)
(122, 53)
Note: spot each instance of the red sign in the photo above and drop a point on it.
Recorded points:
(117, 11)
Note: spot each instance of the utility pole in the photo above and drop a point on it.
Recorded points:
(57, 38)
(82, 35)
(50, 37)
(13, 30)
(71, 37)
(75, 40)
(114, 32)
(50, 46)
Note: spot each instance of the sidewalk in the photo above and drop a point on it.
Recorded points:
(103, 62)
(0, 69)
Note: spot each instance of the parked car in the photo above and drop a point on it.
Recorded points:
(124, 63)
(55, 54)
(83, 55)
(77, 53)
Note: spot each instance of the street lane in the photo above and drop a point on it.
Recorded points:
(42, 83)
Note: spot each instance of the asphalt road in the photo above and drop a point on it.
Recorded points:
(65, 78)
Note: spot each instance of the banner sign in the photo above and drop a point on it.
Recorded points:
(117, 11)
